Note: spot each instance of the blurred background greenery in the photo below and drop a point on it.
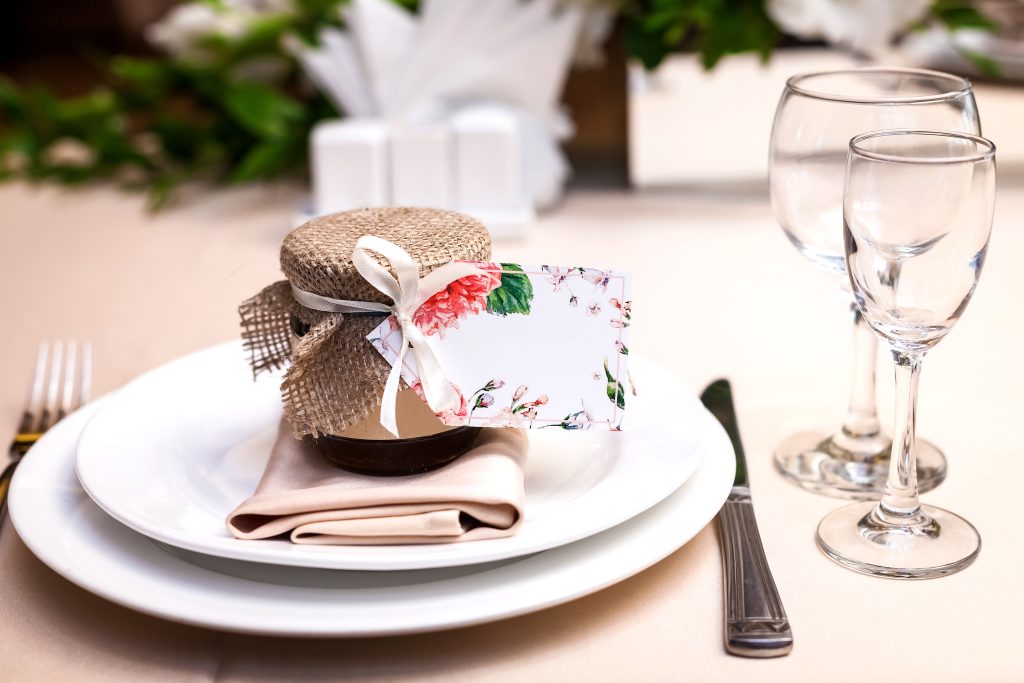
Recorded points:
(150, 95)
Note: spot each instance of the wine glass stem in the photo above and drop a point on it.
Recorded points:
(900, 501)
(862, 414)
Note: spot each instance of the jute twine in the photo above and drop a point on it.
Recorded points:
(336, 378)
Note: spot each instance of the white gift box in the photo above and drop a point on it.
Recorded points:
(349, 162)
(488, 163)
(471, 163)
(469, 91)
(422, 172)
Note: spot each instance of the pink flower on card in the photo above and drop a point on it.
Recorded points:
(506, 418)
(556, 275)
(453, 417)
(462, 297)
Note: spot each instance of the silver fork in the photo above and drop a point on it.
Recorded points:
(61, 384)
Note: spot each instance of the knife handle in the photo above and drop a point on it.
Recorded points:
(755, 621)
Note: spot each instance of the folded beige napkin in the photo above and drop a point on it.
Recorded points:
(479, 495)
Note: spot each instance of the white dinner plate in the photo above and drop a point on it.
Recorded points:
(176, 450)
(68, 532)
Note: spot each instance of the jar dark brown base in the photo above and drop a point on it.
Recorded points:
(397, 457)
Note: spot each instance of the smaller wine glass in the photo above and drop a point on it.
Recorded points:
(917, 215)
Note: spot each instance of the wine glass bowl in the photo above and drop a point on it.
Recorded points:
(912, 274)
(917, 216)
(816, 117)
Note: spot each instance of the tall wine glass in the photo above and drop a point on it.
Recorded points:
(917, 215)
(816, 117)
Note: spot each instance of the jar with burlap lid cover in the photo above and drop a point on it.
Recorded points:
(335, 380)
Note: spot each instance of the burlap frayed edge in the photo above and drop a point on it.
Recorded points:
(266, 327)
(319, 396)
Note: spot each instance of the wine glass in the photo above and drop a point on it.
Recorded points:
(917, 214)
(817, 115)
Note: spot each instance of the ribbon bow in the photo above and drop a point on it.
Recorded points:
(407, 293)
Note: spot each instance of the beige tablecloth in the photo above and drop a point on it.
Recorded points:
(146, 289)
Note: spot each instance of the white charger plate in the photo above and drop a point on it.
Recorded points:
(176, 450)
(68, 532)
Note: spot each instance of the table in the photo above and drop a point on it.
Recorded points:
(715, 275)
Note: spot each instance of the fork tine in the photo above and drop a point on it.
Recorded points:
(50, 407)
(67, 392)
(35, 394)
(85, 375)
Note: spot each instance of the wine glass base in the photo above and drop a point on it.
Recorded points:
(850, 467)
(936, 544)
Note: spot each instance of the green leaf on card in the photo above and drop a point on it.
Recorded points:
(616, 393)
(515, 293)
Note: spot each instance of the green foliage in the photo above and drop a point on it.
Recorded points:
(261, 110)
(713, 28)
(985, 65)
(238, 112)
(957, 14)
(514, 295)
(961, 14)
(716, 28)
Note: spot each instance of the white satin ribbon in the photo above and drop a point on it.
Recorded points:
(408, 293)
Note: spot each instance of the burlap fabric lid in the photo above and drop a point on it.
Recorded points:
(337, 378)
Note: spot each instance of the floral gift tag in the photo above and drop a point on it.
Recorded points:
(527, 346)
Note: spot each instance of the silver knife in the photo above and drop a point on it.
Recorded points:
(755, 621)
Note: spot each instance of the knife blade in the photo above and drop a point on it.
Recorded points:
(756, 624)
